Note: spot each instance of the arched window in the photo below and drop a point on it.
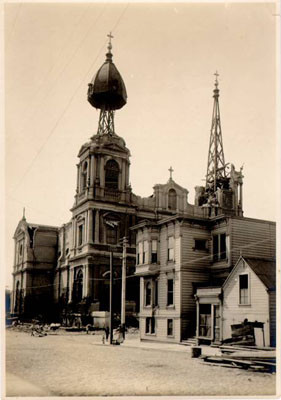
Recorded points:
(111, 174)
(78, 286)
(172, 199)
(84, 175)
(148, 294)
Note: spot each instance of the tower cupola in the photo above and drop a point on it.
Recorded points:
(107, 92)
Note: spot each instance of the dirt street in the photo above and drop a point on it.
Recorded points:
(80, 365)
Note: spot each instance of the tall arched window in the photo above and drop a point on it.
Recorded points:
(111, 174)
(172, 199)
(78, 286)
(84, 175)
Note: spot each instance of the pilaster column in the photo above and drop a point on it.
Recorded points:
(77, 181)
(85, 281)
(123, 176)
(71, 276)
(90, 227)
(97, 227)
(102, 180)
(92, 174)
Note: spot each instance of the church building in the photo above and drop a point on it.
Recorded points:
(59, 271)
(179, 256)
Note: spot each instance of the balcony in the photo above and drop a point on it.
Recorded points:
(112, 194)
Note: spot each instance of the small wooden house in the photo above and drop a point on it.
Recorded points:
(248, 294)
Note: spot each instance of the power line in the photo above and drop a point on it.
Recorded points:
(48, 93)
(183, 264)
(64, 111)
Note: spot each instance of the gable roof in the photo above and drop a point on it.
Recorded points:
(264, 269)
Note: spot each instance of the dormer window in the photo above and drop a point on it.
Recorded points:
(172, 199)
(111, 175)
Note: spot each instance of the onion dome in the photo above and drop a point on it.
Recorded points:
(107, 90)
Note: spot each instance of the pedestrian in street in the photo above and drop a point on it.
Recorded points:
(106, 332)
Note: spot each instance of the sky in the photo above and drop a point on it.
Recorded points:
(167, 55)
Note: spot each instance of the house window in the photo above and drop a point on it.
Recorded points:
(145, 252)
(172, 199)
(148, 293)
(111, 175)
(200, 244)
(84, 175)
(154, 251)
(139, 258)
(244, 289)
(150, 325)
(170, 292)
(170, 248)
(170, 327)
(80, 234)
(220, 247)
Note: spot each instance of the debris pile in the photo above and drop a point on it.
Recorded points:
(255, 358)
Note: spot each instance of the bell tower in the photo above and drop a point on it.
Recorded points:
(103, 170)
(222, 193)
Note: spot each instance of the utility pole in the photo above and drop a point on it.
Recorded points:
(123, 297)
(110, 300)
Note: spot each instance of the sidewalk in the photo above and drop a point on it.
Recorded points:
(133, 341)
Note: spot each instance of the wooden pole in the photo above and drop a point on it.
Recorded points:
(123, 297)
(110, 301)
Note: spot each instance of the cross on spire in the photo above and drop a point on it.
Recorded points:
(171, 172)
(216, 81)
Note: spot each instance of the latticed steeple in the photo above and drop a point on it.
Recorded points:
(216, 168)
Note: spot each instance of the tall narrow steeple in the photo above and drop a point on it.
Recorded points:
(107, 92)
(216, 168)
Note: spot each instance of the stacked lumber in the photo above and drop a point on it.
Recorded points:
(257, 359)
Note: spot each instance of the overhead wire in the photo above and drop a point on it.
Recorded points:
(49, 92)
(65, 109)
(182, 264)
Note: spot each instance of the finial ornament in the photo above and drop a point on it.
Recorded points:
(109, 43)
(171, 172)
(216, 81)
(23, 213)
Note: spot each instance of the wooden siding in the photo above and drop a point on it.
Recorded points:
(254, 238)
(194, 269)
(257, 310)
(161, 330)
(272, 317)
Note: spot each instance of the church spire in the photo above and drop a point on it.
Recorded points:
(216, 168)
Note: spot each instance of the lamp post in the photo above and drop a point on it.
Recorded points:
(110, 298)
(123, 296)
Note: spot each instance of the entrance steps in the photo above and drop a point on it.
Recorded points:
(192, 341)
